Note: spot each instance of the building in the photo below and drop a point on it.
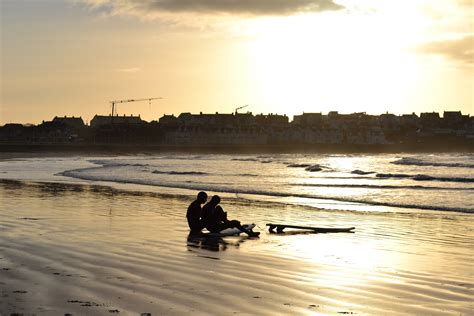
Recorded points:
(455, 119)
(216, 129)
(75, 122)
(103, 120)
(308, 119)
(429, 120)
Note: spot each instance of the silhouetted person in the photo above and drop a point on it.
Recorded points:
(215, 219)
(193, 214)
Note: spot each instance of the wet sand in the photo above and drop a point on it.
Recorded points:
(92, 250)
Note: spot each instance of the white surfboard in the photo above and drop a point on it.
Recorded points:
(231, 231)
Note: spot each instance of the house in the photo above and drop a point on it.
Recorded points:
(75, 122)
(103, 120)
(308, 119)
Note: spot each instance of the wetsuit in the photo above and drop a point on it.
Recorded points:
(214, 219)
(193, 216)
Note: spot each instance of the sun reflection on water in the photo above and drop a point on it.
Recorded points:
(337, 260)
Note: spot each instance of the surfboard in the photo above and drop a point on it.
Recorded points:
(231, 231)
(281, 227)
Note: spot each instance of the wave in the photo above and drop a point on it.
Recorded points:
(369, 186)
(112, 164)
(79, 174)
(418, 162)
(180, 172)
(190, 157)
(392, 175)
(265, 159)
(423, 177)
(314, 168)
(116, 163)
(244, 159)
(347, 178)
(307, 166)
(298, 165)
(360, 172)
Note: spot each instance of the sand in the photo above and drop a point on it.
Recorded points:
(89, 250)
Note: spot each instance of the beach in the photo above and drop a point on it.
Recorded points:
(86, 247)
(334, 139)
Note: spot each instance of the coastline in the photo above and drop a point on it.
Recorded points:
(106, 148)
(130, 252)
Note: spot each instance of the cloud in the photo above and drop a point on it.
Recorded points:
(460, 50)
(231, 7)
(465, 3)
(128, 70)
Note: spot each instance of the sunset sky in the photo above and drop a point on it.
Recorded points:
(71, 57)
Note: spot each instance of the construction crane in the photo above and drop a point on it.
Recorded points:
(240, 108)
(114, 110)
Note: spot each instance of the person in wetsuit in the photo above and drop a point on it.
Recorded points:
(215, 219)
(193, 215)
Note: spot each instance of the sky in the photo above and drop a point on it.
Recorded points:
(72, 57)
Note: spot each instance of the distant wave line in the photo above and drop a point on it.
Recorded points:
(78, 173)
(368, 186)
(423, 177)
(180, 172)
(315, 167)
(417, 162)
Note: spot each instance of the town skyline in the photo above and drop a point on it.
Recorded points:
(235, 130)
(72, 57)
(200, 112)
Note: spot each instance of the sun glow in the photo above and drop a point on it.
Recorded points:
(333, 60)
(361, 56)
(347, 266)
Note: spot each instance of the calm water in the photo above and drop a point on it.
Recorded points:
(380, 183)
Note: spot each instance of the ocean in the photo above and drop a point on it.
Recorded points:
(105, 234)
(416, 183)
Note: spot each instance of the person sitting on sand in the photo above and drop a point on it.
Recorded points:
(193, 214)
(215, 219)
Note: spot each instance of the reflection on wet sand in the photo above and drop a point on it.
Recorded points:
(302, 232)
(213, 243)
(124, 251)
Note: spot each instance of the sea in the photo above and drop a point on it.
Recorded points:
(416, 183)
(115, 227)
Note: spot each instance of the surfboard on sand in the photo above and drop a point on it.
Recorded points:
(280, 227)
(231, 231)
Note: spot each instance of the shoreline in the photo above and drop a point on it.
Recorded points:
(117, 188)
(237, 149)
(75, 169)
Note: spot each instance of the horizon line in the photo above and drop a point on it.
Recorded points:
(248, 112)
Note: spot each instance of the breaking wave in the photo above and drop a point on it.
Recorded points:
(314, 168)
(79, 174)
(360, 172)
(392, 175)
(370, 186)
(298, 165)
(307, 166)
(244, 159)
(180, 172)
(258, 159)
(423, 177)
(117, 163)
(418, 162)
